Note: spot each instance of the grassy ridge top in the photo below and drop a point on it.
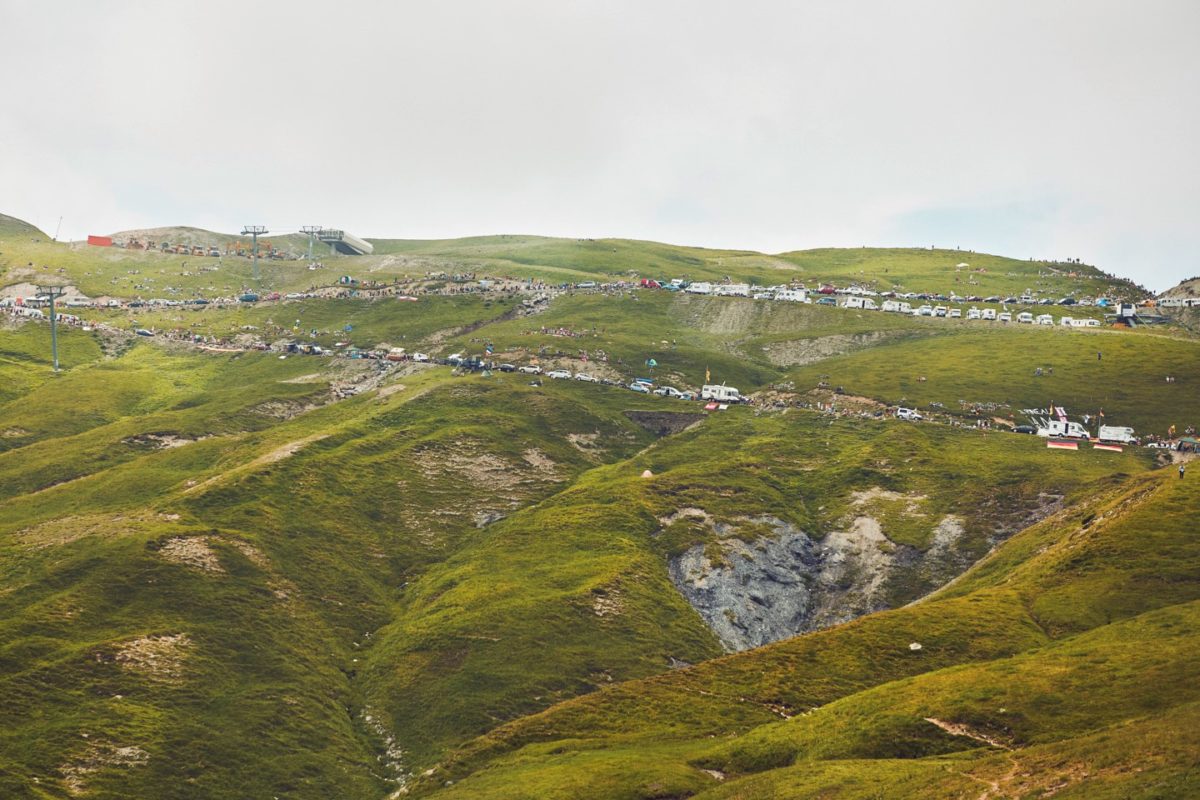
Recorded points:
(99, 271)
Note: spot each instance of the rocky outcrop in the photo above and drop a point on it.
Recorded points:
(753, 593)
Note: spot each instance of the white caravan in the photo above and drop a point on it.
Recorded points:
(721, 393)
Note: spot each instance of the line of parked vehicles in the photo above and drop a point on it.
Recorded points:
(710, 392)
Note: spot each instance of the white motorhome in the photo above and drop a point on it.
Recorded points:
(865, 303)
(988, 313)
(1117, 433)
(721, 393)
(1004, 316)
(1066, 322)
(793, 295)
(700, 287)
(972, 313)
(734, 290)
(1025, 318)
(1045, 319)
(1056, 427)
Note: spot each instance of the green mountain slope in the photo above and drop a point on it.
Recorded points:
(259, 574)
(1066, 636)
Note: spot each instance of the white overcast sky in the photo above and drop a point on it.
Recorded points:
(1048, 129)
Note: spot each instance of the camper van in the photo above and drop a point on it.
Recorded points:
(988, 313)
(865, 303)
(794, 295)
(722, 394)
(1117, 433)
(972, 313)
(1025, 318)
(1004, 316)
(1070, 430)
(1045, 319)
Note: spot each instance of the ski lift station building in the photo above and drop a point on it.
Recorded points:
(345, 243)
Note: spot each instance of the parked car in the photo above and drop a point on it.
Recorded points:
(507, 368)
(558, 373)
(667, 391)
(583, 376)
(1030, 429)
(639, 387)
(422, 357)
(908, 413)
(530, 369)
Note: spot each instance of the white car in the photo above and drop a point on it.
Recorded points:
(422, 357)
(668, 391)
(907, 413)
(558, 373)
(530, 369)
(639, 387)
(583, 376)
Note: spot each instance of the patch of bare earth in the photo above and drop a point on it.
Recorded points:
(161, 441)
(99, 756)
(960, 729)
(541, 462)
(284, 409)
(191, 551)
(799, 352)
(607, 602)
(157, 657)
(586, 443)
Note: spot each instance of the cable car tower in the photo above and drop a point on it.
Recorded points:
(254, 231)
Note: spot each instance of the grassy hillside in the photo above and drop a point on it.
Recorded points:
(230, 575)
(1122, 373)
(12, 228)
(1055, 648)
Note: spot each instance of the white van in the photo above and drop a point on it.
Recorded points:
(988, 313)
(1004, 316)
(908, 413)
(972, 313)
(1025, 318)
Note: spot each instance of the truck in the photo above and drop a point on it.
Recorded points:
(1117, 433)
(721, 393)
(1062, 428)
